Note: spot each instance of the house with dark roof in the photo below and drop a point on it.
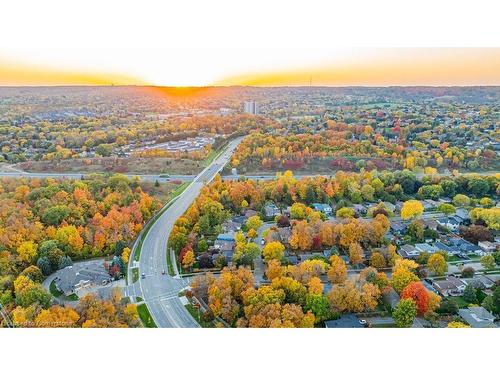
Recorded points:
(451, 286)
(271, 210)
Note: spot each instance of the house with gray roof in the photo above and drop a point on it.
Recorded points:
(477, 317)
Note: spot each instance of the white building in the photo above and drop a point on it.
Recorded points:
(251, 107)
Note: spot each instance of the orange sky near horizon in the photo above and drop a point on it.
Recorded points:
(361, 67)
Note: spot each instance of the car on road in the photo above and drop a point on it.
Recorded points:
(163, 272)
(262, 241)
(143, 276)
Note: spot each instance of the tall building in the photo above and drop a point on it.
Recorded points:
(251, 107)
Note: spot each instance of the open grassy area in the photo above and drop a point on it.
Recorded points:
(58, 294)
(145, 316)
(460, 302)
(194, 313)
(53, 289)
(135, 274)
(128, 165)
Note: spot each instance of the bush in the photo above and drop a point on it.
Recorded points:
(448, 307)
(468, 272)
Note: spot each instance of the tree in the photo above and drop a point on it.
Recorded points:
(418, 293)
(456, 324)
(274, 269)
(446, 208)
(488, 262)
(301, 238)
(126, 254)
(470, 294)
(315, 286)
(44, 264)
(245, 255)
(411, 209)
(461, 200)
(404, 313)
(33, 273)
(298, 211)
(476, 233)
(402, 274)
(437, 264)
(273, 250)
(468, 272)
(27, 251)
(252, 233)
(345, 213)
(55, 215)
(416, 230)
(188, 260)
(377, 260)
(337, 273)
(254, 222)
(319, 306)
(355, 253)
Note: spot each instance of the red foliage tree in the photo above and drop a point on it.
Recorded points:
(417, 292)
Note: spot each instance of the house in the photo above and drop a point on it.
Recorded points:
(322, 207)
(360, 209)
(398, 227)
(487, 246)
(225, 242)
(477, 317)
(449, 222)
(459, 245)
(69, 281)
(480, 282)
(463, 214)
(451, 286)
(408, 251)
(425, 247)
(441, 246)
(345, 321)
(271, 210)
(430, 223)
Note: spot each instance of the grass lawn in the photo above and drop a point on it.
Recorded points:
(145, 316)
(58, 294)
(194, 313)
(135, 274)
(460, 302)
(170, 267)
(53, 289)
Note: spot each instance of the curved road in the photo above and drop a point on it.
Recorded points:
(160, 292)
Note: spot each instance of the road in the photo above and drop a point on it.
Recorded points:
(160, 292)
(154, 177)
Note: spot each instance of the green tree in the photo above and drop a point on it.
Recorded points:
(488, 262)
(318, 304)
(404, 313)
(55, 215)
(470, 294)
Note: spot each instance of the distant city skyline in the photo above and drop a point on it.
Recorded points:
(252, 67)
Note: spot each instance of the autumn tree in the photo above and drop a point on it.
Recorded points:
(411, 209)
(273, 250)
(404, 313)
(377, 260)
(337, 273)
(356, 253)
(437, 264)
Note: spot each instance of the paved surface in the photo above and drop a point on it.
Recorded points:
(160, 292)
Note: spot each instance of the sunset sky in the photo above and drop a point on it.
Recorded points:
(260, 67)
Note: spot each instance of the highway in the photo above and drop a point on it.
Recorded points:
(160, 292)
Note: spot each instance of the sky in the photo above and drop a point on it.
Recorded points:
(252, 66)
(265, 43)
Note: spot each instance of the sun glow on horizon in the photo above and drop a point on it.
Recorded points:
(252, 67)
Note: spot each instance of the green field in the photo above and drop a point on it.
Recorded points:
(145, 316)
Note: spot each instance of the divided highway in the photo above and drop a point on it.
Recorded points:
(160, 292)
